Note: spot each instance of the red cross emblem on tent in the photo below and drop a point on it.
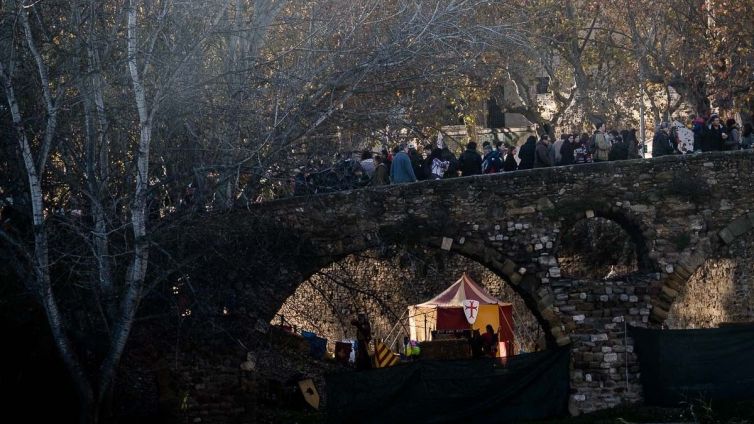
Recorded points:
(471, 310)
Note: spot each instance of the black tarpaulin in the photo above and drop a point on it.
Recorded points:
(686, 365)
(529, 386)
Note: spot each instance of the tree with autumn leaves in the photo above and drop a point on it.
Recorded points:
(112, 109)
(603, 59)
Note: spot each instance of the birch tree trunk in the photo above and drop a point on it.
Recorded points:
(40, 284)
(137, 270)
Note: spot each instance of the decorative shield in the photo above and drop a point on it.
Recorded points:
(311, 396)
(471, 310)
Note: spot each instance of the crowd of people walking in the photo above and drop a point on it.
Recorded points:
(406, 164)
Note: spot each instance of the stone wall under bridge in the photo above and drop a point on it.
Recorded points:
(678, 211)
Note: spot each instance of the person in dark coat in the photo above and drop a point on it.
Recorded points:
(619, 151)
(662, 144)
(491, 162)
(387, 158)
(629, 137)
(566, 150)
(747, 136)
(363, 337)
(526, 153)
(510, 163)
(733, 142)
(713, 135)
(449, 157)
(489, 342)
(417, 162)
(381, 174)
(470, 161)
(542, 157)
(427, 163)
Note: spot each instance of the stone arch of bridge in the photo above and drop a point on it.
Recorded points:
(641, 233)
(675, 281)
(538, 298)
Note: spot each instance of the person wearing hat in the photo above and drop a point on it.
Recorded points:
(662, 144)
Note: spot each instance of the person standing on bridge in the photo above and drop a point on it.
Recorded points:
(542, 153)
(367, 163)
(510, 163)
(401, 170)
(714, 135)
(566, 150)
(601, 144)
(526, 153)
(470, 161)
(438, 166)
(492, 162)
(381, 174)
(662, 144)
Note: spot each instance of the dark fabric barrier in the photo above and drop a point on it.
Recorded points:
(686, 365)
(529, 386)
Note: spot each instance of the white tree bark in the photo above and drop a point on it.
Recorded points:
(137, 270)
(50, 104)
(41, 284)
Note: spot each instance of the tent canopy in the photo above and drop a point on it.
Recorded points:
(445, 312)
(463, 289)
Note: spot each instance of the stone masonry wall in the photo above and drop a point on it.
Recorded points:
(605, 369)
(679, 211)
(720, 291)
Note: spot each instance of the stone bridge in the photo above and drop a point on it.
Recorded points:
(678, 211)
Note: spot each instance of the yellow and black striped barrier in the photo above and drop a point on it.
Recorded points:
(383, 356)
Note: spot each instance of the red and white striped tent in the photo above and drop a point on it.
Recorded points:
(446, 312)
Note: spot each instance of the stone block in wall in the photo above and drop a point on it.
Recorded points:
(675, 281)
(659, 315)
(526, 210)
(599, 337)
(509, 267)
(726, 235)
(563, 340)
(547, 300)
(659, 303)
(669, 293)
(739, 226)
